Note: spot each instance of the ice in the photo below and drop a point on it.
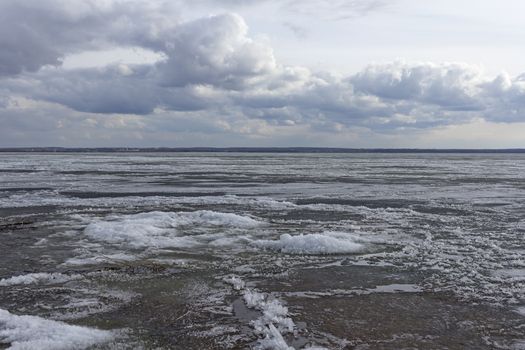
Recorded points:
(274, 321)
(53, 197)
(38, 278)
(314, 243)
(32, 332)
(273, 341)
(455, 225)
(111, 258)
(274, 318)
(162, 229)
(235, 281)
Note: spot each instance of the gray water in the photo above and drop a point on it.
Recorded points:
(215, 251)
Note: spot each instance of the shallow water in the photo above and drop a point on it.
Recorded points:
(269, 251)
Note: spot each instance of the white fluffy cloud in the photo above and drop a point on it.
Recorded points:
(216, 51)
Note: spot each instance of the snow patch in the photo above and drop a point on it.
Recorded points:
(32, 332)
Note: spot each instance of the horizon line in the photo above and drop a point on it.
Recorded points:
(253, 149)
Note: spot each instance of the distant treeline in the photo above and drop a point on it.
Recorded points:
(252, 150)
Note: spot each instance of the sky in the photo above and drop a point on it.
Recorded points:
(276, 73)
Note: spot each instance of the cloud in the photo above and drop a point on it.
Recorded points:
(114, 89)
(215, 79)
(217, 51)
(38, 33)
(456, 91)
(336, 9)
(320, 9)
(299, 31)
(452, 86)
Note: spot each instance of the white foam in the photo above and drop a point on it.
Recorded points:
(315, 243)
(38, 278)
(32, 332)
(162, 229)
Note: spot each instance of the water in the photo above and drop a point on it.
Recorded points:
(218, 251)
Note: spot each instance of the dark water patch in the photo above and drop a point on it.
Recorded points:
(442, 210)
(243, 313)
(340, 278)
(289, 180)
(316, 215)
(202, 184)
(19, 171)
(373, 179)
(409, 174)
(493, 204)
(408, 167)
(25, 189)
(213, 173)
(119, 173)
(500, 181)
(89, 194)
(408, 321)
(30, 210)
(369, 203)
(17, 223)
(254, 178)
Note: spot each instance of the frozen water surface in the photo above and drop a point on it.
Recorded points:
(262, 251)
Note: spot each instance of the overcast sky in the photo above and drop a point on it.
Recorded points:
(338, 73)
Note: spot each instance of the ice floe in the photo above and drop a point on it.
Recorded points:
(32, 332)
(314, 243)
(39, 278)
(162, 229)
(93, 260)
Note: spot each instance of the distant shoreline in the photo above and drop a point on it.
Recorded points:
(248, 150)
